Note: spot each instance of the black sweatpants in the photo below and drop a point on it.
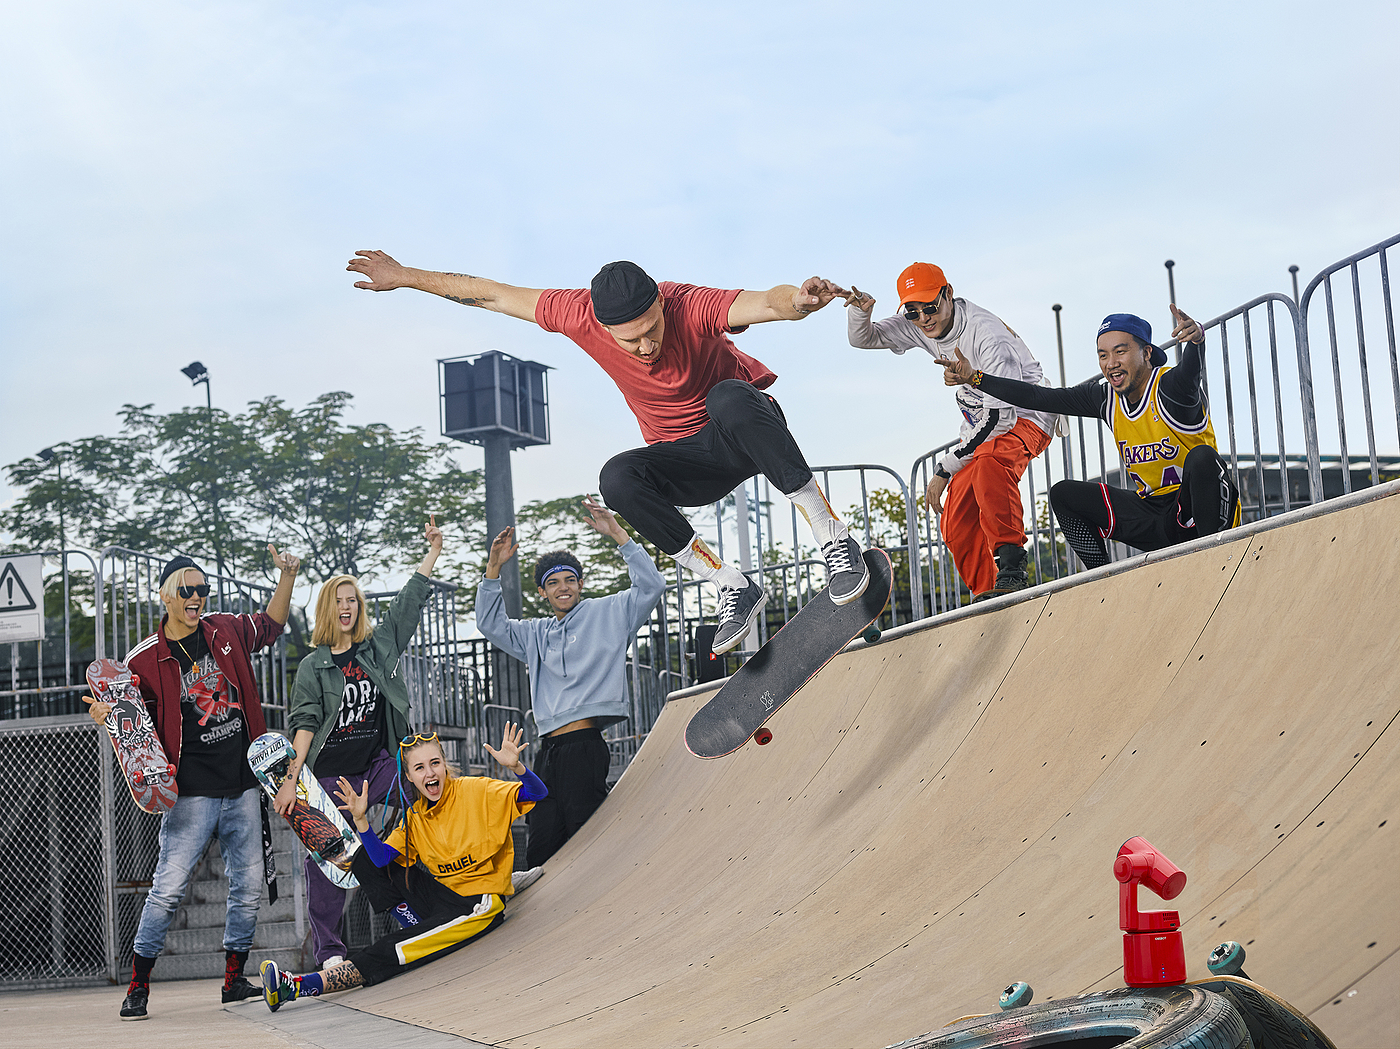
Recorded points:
(747, 434)
(1089, 513)
(449, 921)
(574, 766)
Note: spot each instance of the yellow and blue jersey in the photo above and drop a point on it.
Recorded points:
(1151, 443)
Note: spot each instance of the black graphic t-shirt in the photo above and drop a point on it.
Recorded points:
(359, 732)
(214, 733)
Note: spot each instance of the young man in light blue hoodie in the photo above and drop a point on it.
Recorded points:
(577, 662)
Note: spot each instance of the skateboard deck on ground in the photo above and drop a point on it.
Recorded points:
(148, 772)
(315, 819)
(791, 658)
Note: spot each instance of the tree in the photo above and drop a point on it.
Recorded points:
(346, 498)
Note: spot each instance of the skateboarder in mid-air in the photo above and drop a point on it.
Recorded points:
(197, 679)
(698, 400)
(1161, 424)
(444, 871)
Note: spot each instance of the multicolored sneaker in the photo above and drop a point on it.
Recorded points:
(278, 987)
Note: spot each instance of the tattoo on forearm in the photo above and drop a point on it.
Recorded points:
(465, 302)
(342, 977)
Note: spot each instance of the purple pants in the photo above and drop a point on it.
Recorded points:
(325, 902)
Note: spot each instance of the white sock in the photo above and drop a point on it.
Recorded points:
(826, 526)
(701, 560)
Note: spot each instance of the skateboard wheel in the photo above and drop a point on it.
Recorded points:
(871, 634)
(1017, 995)
(139, 778)
(763, 737)
(1227, 959)
(135, 680)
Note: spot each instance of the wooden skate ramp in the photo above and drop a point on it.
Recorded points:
(938, 814)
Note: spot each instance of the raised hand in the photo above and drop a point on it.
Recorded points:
(503, 548)
(1186, 329)
(815, 293)
(512, 743)
(384, 273)
(859, 299)
(355, 802)
(98, 709)
(957, 369)
(432, 533)
(284, 562)
(602, 521)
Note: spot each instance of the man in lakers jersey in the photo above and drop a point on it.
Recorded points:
(1161, 425)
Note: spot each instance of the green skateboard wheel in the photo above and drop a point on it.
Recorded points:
(1015, 996)
(871, 634)
(1227, 959)
(763, 737)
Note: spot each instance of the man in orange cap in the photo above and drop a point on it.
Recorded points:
(976, 487)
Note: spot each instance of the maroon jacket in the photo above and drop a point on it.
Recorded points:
(231, 639)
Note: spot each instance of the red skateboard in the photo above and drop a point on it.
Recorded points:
(148, 773)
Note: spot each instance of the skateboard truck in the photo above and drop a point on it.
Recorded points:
(1153, 954)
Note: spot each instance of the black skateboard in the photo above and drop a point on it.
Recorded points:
(790, 659)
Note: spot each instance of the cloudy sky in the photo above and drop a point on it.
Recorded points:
(187, 181)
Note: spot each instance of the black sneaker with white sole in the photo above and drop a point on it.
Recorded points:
(134, 1004)
(846, 570)
(737, 611)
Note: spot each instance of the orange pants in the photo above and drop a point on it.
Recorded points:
(982, 507)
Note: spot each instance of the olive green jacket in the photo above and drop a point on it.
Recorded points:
(319, 684)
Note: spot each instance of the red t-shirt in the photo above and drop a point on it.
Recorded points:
(668, 396)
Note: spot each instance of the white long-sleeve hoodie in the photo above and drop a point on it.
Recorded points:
(988, 343)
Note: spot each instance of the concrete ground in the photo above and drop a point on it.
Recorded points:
(188, 1012)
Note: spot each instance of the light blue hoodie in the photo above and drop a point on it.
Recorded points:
(576, 663)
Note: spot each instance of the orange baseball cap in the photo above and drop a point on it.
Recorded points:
(921, 282)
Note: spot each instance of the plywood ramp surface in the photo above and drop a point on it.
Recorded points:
(937, 816)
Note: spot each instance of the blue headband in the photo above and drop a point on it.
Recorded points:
(556, 570)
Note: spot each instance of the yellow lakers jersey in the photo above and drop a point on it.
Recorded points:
(1151, 443)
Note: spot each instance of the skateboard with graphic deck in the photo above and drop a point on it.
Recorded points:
(148, 772)
(790, 659)
(315, 818)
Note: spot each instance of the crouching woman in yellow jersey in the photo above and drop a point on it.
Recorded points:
(460, 829)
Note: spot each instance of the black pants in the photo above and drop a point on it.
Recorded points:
(446, 924)
(747, 434)
(574, 766)
(1206, 503)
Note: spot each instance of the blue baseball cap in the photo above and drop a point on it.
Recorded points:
(1138, 329)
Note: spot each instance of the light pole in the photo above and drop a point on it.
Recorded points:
(50, 456)
(197, 373)
(1293, 272)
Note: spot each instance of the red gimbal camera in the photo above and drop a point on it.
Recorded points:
(1153, 953)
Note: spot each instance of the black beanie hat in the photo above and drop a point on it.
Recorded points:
(174, 565)
(622, 292)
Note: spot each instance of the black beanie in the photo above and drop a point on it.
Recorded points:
(622, 292)
(174, 565)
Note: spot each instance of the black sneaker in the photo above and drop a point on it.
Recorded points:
(1011, 572)
(134, 1004)
(241, 990)
(846, 570)
(737, 611)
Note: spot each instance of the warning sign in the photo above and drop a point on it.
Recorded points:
(21, 598)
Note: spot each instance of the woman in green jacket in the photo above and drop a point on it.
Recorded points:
(349, 710)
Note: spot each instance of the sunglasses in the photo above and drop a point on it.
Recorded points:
(911, 312)
(189, 591)
(417, 738)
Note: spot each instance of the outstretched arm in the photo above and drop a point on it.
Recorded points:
(783, 303)
(386, 274)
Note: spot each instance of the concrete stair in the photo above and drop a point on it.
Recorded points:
(194, 945)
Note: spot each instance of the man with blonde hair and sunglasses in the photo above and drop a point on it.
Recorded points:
(976, 486)
(197, 679)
